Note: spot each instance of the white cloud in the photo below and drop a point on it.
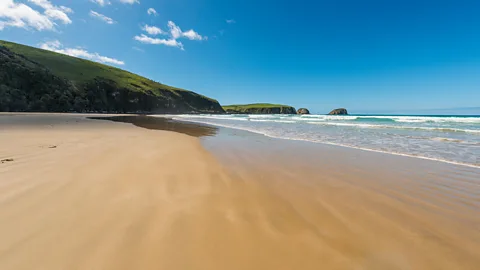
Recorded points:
(56, 46)
(192, 35)
(167, 42)
(130, 1)
(102, 17)
(23, 16)
(152, 30)
(176, 32)
(138, 49)
(101, 2)
(58, 13)
(152, 11)
(230, 21)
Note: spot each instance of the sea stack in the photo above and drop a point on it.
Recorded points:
(303, 111)
(340, 111)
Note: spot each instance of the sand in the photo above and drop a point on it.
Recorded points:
(90, 194)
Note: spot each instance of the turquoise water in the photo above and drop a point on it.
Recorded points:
(453, 139)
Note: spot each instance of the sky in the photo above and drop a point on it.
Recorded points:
(378, 56)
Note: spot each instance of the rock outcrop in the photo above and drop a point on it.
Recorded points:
(303, 111)
(340, 111)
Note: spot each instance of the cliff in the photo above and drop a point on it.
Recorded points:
(259, 108)
(36, 80)
(340, 111)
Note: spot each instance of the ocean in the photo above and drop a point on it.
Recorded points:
(446, 138)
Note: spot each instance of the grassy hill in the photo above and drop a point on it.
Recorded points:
(260, 108)
(85, 86)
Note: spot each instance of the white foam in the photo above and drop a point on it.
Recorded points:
(305, 119)
(423, 119)
(347, 125)
(337, 144)
(331, 117)
(404, 119)
(411, 120)
(361, 125)
(340, 118)
(441, 139)
(273, 121)
(260, 120)
(263, 115)
(284, 121)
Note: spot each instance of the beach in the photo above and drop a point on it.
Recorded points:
(79, 193)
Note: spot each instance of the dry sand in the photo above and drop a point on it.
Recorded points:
(89, 194)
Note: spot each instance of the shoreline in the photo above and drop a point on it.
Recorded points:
(328, 143)
(200, 124)
(113, 195)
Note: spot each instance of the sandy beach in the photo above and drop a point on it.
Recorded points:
(77, 193)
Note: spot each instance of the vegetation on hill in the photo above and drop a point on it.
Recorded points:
(260, 108)
(33, 79)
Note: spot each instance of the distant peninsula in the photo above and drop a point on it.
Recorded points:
(36, 80)
(259, 108)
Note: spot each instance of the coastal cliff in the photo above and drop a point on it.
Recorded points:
(36, 80)
(340, 111)
(259, 108)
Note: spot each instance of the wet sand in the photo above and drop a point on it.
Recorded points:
(163, 123)
(89, 194)
(359, 209)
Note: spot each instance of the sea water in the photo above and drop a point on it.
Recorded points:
(453, 139)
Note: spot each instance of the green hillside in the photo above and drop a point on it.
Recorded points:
(85, 86)
(259, 108)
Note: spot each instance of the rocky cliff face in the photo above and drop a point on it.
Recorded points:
(340, 111)
(104, 95)
(26, 85)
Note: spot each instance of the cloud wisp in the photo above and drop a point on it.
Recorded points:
(56, 46)
(152, 30)
(159, 41)
(174, 32)
(230, 21)
(152, 11)
(131, 2)
(101, 17)
(58, 13)
(21, 15)
(101, 2)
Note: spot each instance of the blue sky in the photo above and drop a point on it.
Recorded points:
(368, 56)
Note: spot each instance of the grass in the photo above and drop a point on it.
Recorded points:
(81, 71)
(253, 106)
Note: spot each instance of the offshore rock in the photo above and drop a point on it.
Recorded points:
(303, 111)
(340, 111)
